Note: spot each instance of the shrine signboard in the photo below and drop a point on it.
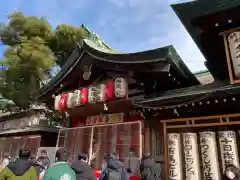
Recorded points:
(105, 119)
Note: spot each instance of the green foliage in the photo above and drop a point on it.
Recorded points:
(64, 41)
(61, 41)
(33, 49)
(24, 26)
(29, 63)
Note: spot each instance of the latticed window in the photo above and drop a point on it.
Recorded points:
(98, 140)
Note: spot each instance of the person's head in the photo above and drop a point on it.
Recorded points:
(43, 153)
(61, 155)
(83, 157)
(114, 156)
(106, 156)
(24, 154)
(232, 171)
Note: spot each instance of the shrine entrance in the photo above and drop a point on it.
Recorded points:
(99, 139)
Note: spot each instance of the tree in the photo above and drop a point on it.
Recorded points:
(61, 41)
(29, 63)
(64, 41)
(33, 49)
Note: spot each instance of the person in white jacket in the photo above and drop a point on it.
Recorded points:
(5, 162)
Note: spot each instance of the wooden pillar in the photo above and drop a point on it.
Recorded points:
(165, 142)
(146, 137)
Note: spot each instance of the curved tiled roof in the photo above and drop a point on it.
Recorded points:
(104, 54)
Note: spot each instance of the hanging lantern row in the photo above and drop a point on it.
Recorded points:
(114, 89)
(187, 104)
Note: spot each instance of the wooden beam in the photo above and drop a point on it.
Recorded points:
(204, 125)
(202, 118)
(229, 31)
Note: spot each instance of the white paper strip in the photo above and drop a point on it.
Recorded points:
(191, 156)
(174, 157)
(234, 46)
(209, 155)
(228, 147)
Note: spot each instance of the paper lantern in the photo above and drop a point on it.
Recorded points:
(191, 156)
(92, 95)
(76, 98)
(175, 164)
(84, 96)
(120, 86)
(101, 93)
(209, 153)
(110, 90)
(63, 101)
(69, 100)
(228, 148)
(57, 102)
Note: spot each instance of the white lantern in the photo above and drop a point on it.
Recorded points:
(209, 155)
(69, 100)
(101, 93)
(175, 157)
(228, 148)
(57, 102)
(234, 46)
(120, 86)
(76, 98)
(92, 95)
(191, 156)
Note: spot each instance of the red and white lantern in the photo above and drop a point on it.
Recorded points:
(120, 86)
(110, 90)
(92, 95)
(76, 98)
(101, 93)
(84, 96)
(63, 102)
(57, 102)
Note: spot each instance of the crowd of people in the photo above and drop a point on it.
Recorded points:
(26, 168)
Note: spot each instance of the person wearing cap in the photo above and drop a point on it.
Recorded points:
(21, 169)
(60, 170)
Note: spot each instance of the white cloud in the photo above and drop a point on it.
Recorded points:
(163, 28)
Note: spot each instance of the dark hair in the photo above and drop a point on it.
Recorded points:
(43, 151)
(24, 153)
(82, 156)
(234, 169)
(62, 155)
(114, 156)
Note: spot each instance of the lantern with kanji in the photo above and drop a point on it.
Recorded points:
(76, 98)
(101, 93)
(63, 101)
(92, 95)
(69, 100)
(57, 102)
(120, 86)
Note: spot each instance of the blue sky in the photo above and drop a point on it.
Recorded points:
(126, 25)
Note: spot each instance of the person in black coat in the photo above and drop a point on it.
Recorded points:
(82, 169)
